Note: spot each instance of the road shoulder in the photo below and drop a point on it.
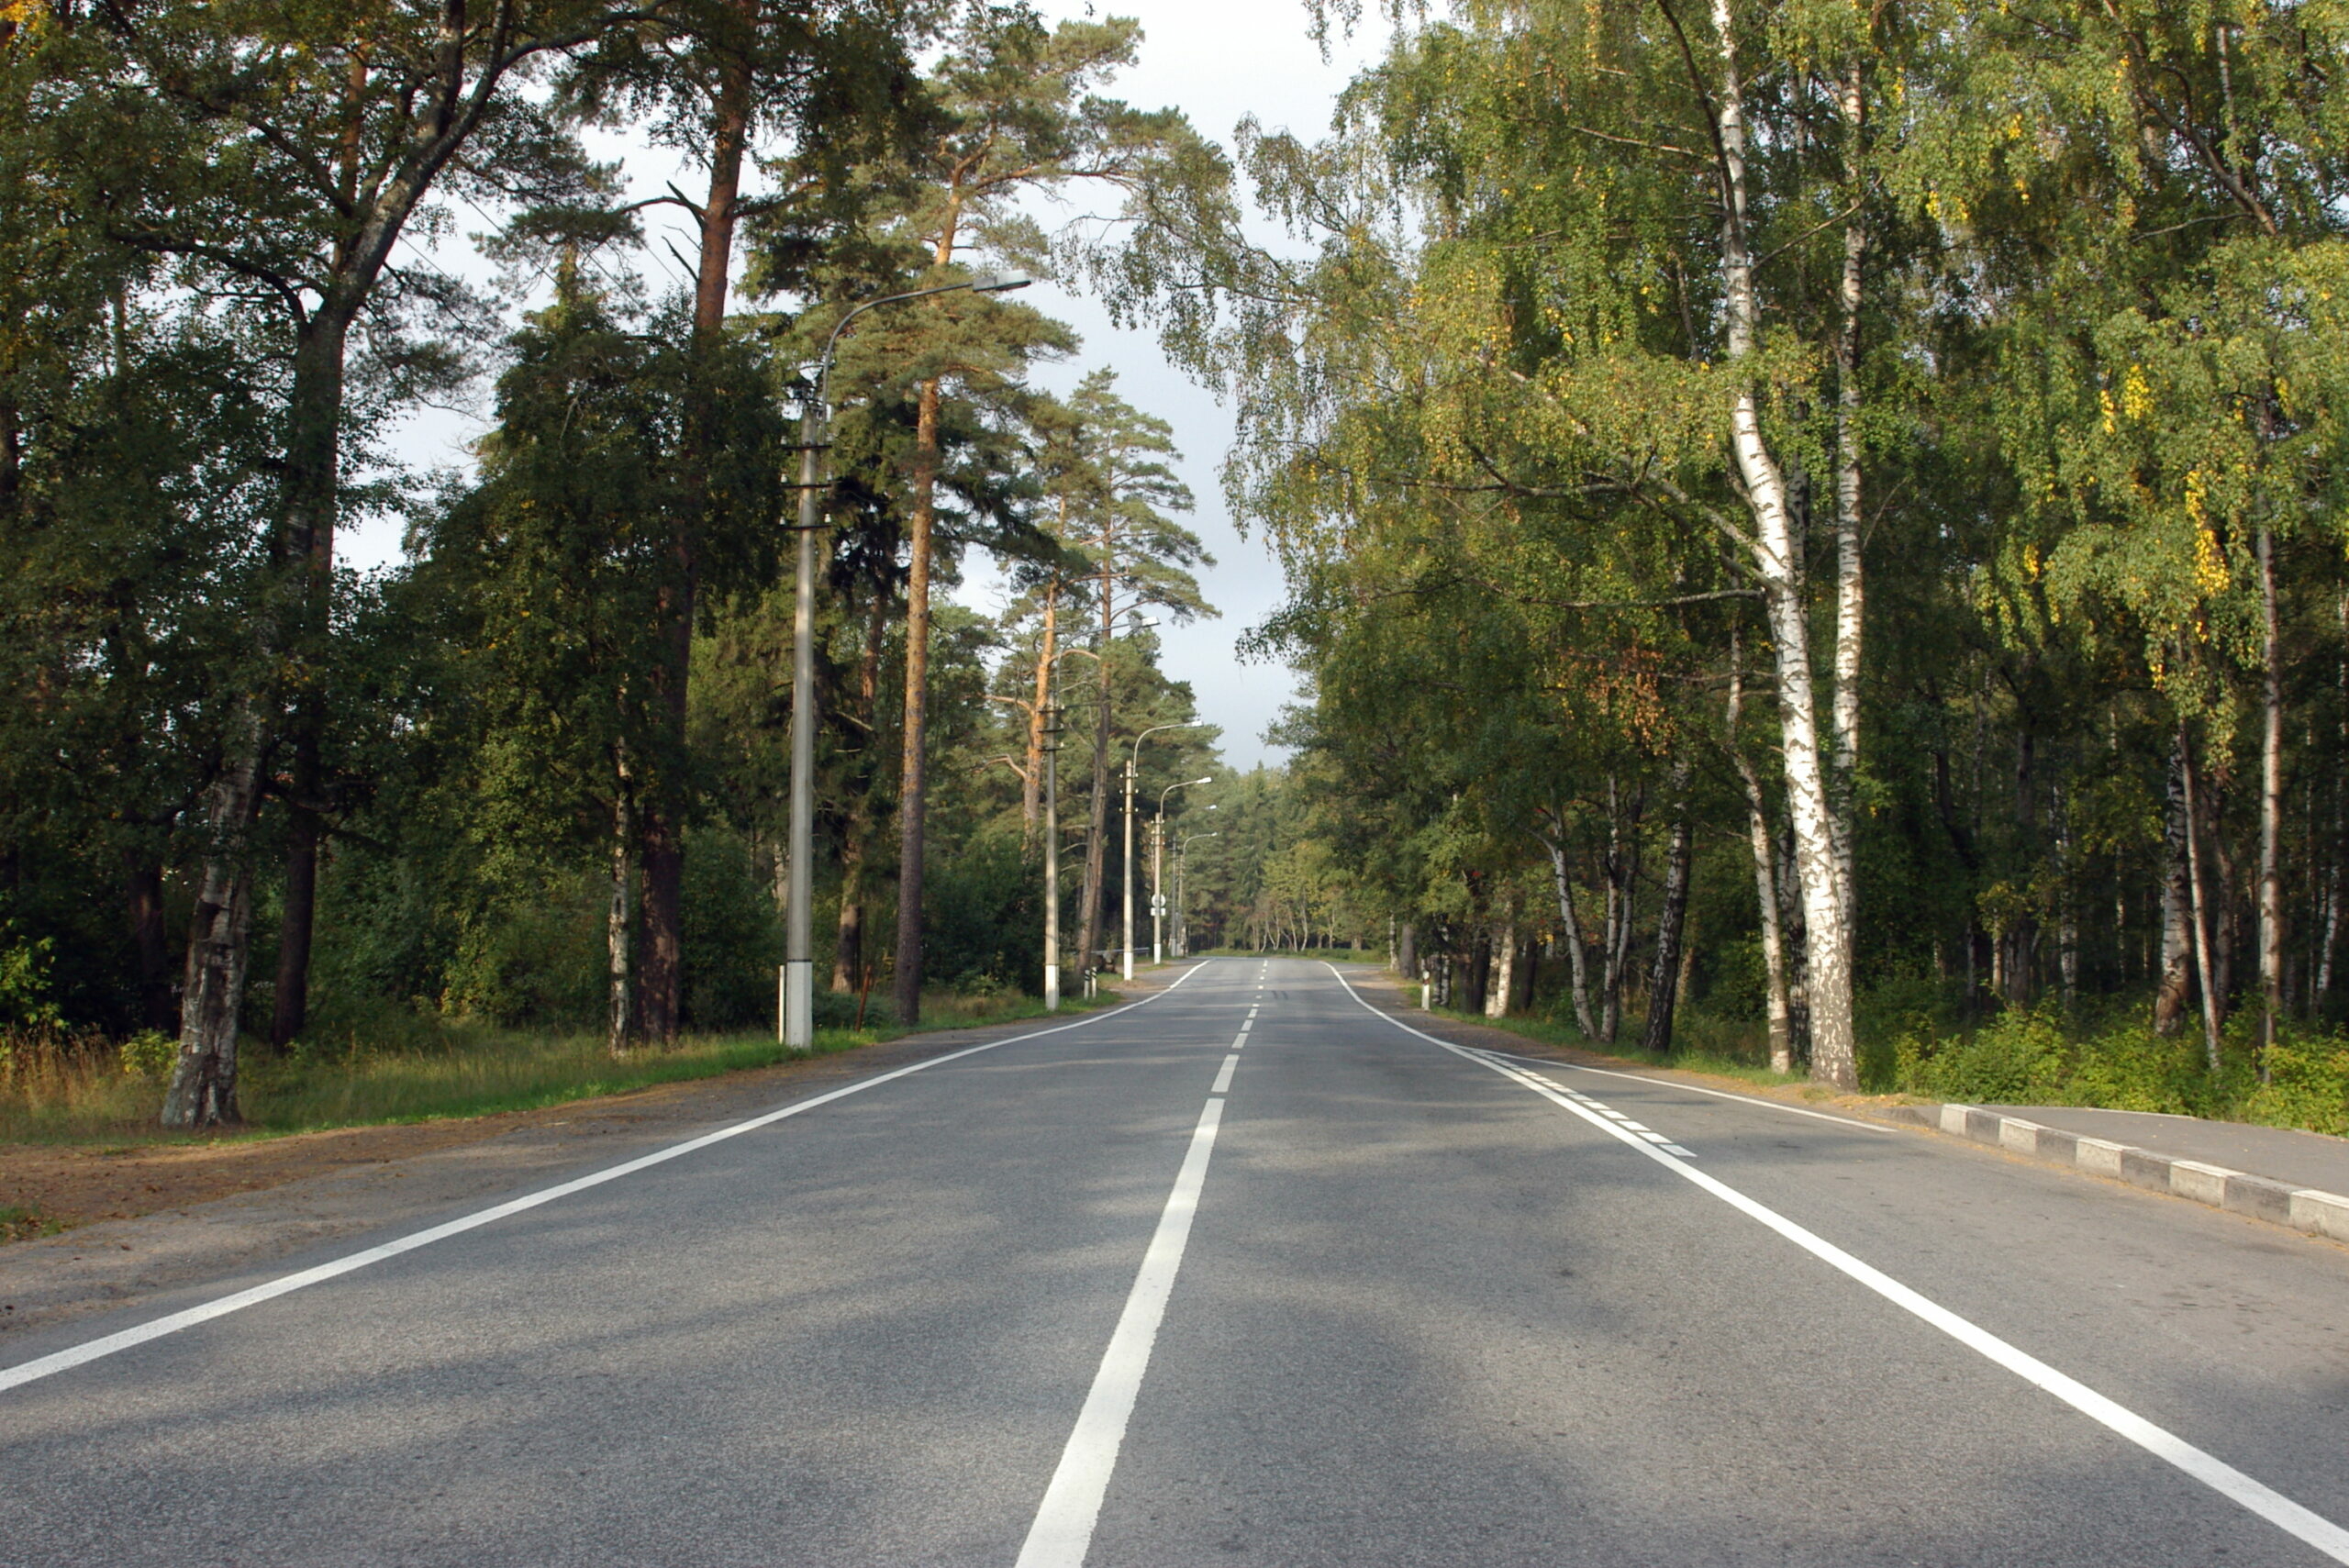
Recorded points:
(316, 1188)
(2314, 1210)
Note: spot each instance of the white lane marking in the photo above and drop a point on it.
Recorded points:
(1242, 1041)
(155, 1328)
(2214, 1473)
(1691, 1088)
(1223, 1079)
(1071, 1505)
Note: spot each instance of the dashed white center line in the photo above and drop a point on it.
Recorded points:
(1223, 1079)
(1071, 1505)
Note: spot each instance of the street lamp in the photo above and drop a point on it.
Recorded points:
(1182, 896)
(1157, 870)
(798, 1023)
(1053, 831)
(1128, 877)
(1052, 822)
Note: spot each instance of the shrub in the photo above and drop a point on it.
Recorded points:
(150, 1054)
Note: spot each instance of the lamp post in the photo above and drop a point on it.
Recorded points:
(1182, 896)
(1128, 877)
(1052, 824)
(798, 1023)
(1157, 870)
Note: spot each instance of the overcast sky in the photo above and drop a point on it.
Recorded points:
(1217, 60)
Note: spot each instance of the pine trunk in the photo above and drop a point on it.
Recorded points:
(856, 829)
(914, 755)
(1096, 838)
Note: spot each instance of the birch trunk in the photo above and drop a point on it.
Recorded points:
(2271, 805)
(1828, 938)
(1850, 597)
(1577, 962)
(2173, 986)
(1498, 994)
(204, 1080)
(619, 930)
(1664, 973)
(1766, 882)
(2201, 906)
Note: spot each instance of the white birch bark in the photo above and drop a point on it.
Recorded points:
(1828, 945)
(2201, 904)
(1496, 994)
(1577, 963)
(2271, 806)
(1765, 881)
(1850, 597)
(204, 1079)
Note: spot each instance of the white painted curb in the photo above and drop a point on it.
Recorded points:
(2304, 1208)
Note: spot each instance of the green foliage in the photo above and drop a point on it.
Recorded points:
(148, 1054)
(2034, 1056)
(25, 1000)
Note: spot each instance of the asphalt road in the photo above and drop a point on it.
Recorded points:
(1108, 1295)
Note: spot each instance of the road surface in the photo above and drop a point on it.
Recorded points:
(1247, 1273)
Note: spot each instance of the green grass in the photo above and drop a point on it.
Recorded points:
(2105, 1058)
(18, 1223)
(412, 1068)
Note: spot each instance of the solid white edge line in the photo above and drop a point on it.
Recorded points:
(172, 1323)
(1670, 1083)
(2214, 1472)
(1072, 1505)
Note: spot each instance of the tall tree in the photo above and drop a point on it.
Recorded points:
(709, 76)
(298, 147)
(1017, 112)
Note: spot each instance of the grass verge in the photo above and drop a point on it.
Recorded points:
(82, 1091)
(19, 1222)
(1571, 1038)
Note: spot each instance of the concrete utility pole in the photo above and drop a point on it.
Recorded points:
(797, 1026)
(1157, 868)
(1132, 758)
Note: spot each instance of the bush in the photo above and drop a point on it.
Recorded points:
(2032, 1056)
(150, 1054)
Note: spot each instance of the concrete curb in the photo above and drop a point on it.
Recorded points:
(2304, 1208)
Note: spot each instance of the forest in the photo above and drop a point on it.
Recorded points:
(1820, 525)
(535, 775)
(1812, 528)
